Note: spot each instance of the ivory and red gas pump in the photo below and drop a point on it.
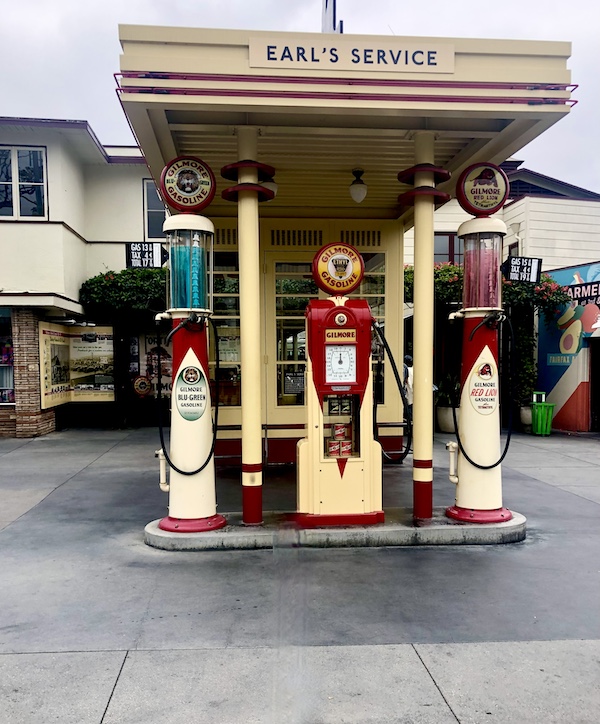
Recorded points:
(186, 183)
(475, 458)
(339, 463)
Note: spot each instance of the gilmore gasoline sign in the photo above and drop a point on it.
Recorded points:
(145, 255)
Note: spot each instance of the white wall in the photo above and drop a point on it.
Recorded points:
(42, 257)
(114, 197)
(104, 257)
(66, 193)
(562, 232)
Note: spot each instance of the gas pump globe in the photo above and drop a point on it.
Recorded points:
(190, 245)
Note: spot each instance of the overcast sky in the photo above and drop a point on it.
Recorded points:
(59, 56)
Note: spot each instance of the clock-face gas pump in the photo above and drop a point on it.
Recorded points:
(339, 462)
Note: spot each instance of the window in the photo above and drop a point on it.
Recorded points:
(372, 288)
(448, 247)
(22, 183)
(7, 388)
(226, 308)
(294, 287)
(155, 212)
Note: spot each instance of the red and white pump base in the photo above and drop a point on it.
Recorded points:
(192, 498)
(478, 491)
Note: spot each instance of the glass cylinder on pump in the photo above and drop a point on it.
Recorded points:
(482, 275)
(190, 245)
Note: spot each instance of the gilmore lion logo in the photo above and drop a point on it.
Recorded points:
(487, 177)
(188, 182)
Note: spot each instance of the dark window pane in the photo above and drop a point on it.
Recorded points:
(372, 285)
(296, 285)
(226, 304)
(441, 245)
(374, 262)
(31, 167)
(226, 261)
(155, 224)
(290, 384)
(153, 200)
(5, 165)
(291, 340)
(31, 200)
(377, 305)
(293, 306)
(6, 200)
(294, 267)
(223, 284)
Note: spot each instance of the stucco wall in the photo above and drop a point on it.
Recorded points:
(114, 208)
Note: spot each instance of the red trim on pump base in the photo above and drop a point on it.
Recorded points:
(468, 515)
(312, 520)
(252, 513)
(192, 525)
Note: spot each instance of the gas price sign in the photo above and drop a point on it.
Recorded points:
(143, 255)
(522, 269)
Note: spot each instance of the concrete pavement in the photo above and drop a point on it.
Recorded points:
(96, 626)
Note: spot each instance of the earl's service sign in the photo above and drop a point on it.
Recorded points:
(380, 54)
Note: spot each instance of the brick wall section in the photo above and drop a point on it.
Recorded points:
(31, 420)
(8, 421)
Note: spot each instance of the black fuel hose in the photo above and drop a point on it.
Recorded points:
(191, 319)
(407, 409)
(510, 409)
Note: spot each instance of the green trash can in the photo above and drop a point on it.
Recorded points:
(541, 417)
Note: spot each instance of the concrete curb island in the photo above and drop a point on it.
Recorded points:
(398, 530)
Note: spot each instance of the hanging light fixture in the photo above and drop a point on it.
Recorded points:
(358, 188)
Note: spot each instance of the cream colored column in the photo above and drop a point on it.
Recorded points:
(250, 346)
(423, 333)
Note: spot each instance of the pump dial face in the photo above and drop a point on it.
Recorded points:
(340, 363)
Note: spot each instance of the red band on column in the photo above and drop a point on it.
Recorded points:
(252, 467)
(422, 464)
(252, 504)
(422, 499)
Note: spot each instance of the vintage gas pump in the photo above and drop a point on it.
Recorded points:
(191, 486)
(339, 462)
(475, 459)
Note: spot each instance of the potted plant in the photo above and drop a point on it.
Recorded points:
(447, 399)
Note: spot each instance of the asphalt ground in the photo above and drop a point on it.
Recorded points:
(97, 627)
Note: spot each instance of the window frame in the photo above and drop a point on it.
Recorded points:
(16, 183)
(146, 184)
(454, 255)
